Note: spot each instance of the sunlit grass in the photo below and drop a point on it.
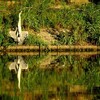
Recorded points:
(82, 22)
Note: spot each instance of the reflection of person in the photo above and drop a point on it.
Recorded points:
(18, 65)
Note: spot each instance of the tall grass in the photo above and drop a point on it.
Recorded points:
(34, 40)
(81, 21)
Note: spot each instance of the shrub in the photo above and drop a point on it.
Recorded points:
(92, 17)
(34, 40)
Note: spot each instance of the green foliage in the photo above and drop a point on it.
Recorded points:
(1, 21)
(34, 40)
(83, 24)
(92, 22)
(36, 13)
(1, 38)
(81, 21)
(4, 23)
(34, 61)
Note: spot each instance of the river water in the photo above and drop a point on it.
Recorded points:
(50, 76)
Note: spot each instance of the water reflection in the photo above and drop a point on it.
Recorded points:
(50, 77)
(18, 65)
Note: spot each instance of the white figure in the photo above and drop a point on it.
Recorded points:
(19, 23)
(18, 35)
(19, 30)
(18, 65)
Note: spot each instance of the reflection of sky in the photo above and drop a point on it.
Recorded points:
(18, 65)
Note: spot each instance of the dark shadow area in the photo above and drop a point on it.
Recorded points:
(95, 1)
(6, 97)
(96, 90)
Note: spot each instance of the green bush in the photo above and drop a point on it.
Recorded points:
(34, 40)
(83, 24)
(93, 22)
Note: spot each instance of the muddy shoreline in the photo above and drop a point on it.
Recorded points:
(50, 48)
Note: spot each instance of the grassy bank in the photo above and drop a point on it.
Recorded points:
(67, 24)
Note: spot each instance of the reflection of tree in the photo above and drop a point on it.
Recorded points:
(5, 75)
(4, 72)
(64, 77)
(63, 83)
(39, 60)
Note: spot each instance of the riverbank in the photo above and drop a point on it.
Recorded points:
(68, 25)
(50, 48)
(83, 54)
